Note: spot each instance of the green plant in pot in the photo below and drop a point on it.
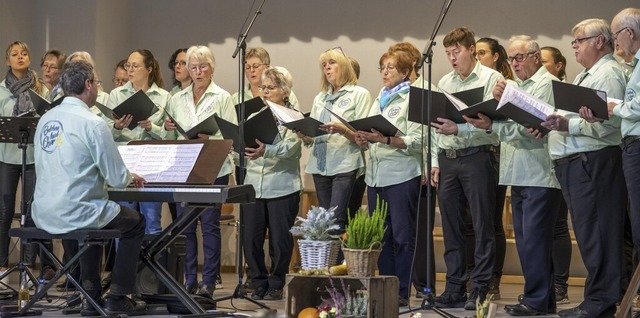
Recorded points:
(362, 242)
(319, 246)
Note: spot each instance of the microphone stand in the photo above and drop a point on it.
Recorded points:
(427, 57)
(239, 293)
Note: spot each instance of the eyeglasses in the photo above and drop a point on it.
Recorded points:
(96, 81)
(268, 88)
(519, 57)
(248, 67)
(50, 67)
(179, 63)
(615, 34)
(579, 41)
(481, 53)
(389, 68)
(336, 48)
(130, 66)
(119, 81)
(201, 67)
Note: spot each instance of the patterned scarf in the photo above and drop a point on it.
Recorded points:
(320, 143)
(387, 95)
(20, 89)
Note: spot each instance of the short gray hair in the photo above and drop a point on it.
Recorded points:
(73, 76)
(629, 18)
(595, 27)
(202, 54)
(83, 55)
(532, 45)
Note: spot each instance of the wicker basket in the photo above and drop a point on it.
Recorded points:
(318, 254)
(362, 263)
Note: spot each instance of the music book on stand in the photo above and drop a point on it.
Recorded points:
(261, 126)
(296, 120)
(251, 106)
(571, 97)
(194, 162)
(41, 104)
(524, 109)
(138, 105)
(13, 128)
(209, 126)
(441, 105)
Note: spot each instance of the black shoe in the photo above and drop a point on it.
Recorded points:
(65, 286)
(450, 300)
(474, 296)
(88, 310)
(191, 288)
(403, 302)
(116, 305)
(573, 312)
(562, 296)
(205, 290)
(522, 310)
(258, 293)
(273, 294)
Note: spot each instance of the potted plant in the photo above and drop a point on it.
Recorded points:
(319, 246)
(362, 242)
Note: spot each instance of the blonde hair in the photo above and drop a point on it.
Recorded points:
(345, 75)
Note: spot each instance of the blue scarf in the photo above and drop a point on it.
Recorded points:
(320, 143)
(387, 95)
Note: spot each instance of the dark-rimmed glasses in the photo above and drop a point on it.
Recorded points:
(519, 57)
(579, 41)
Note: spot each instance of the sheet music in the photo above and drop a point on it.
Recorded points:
(460, 105)
(284, 114)
(526, 102)
(161, 163)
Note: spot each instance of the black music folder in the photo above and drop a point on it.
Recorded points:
(571, 97)
(250, 106)
(488, 108)
(262, 126)
(138, 105)
(41, 104)
(524, 108)
(441, 106)
(308, 126)
(209, 126)
(377, 122)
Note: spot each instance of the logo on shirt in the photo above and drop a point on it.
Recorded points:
(51, 136)
(631, 94)
(394, 111)
(344, 103)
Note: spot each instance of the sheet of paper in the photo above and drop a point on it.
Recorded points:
(284, 114)
(526, 102)
(460, 105)
(161, 163)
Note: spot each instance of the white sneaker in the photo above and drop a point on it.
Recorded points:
(5, 280)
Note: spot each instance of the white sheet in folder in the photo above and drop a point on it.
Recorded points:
(525, 101)
(284, 114)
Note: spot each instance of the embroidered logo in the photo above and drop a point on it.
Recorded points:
(51, 136)
(631, 94)
(394, 112)
(344, 103)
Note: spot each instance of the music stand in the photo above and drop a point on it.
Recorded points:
(238, 292)
(20, 130)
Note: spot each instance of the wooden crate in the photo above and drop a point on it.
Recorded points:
(308, 291)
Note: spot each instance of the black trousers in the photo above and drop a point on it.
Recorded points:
(276, 215)
(467, 182)
(594, 189)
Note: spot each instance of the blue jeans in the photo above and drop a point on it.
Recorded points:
(151, 211)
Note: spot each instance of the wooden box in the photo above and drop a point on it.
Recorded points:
(309, 291)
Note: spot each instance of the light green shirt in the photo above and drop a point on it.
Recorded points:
(468, 136)
(606, 75)
(524, 160)
(75, 162)
(160, 98)
(342, 154)
(9, 152)
(215, 100)
(629, 109)
(277, 172)
(387, 164)
(235, 98)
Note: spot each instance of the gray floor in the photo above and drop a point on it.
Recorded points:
(245, 308)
